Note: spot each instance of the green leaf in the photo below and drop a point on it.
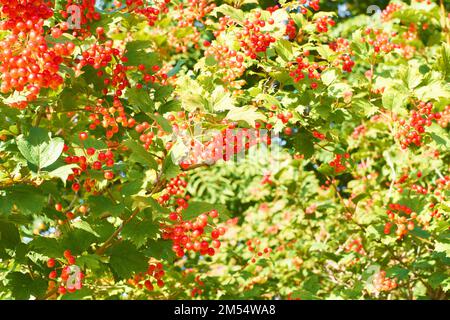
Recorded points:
(303, 143)
(170, 169)
(49, 247)
(91, 261)
(23, 286)
(39, 148)
(284, 49)
(328, 76)
(394, 100)
(442, 247)
(139, 154)
(436, 279)
(338, 89)
(140, 99)
(191, 94)
(247, 113)
(312, 284)
(9, 235)
(227, 10)
(28, 200)
(139, 232)
(418, 232)
(83, 225)
(63, 172)
(433, 91)
(137, 55)
(100, 205)
(125, 259)
(397, 272)
(221, 100)
(160, 249)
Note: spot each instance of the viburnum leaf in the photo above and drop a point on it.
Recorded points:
(125, 259)
(247, 113)
(39, 148)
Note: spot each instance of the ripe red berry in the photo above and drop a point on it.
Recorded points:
(108, 175)
(67, 254)
(288, 131)
(213, 213)
(70, 215)
(90, 151)
(75, 187)
(51, 263)
(83, 135)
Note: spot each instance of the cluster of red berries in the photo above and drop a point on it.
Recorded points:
(359, 131)
(419, 189)
(382, 283)
(175, 187)
(223, 145)
(98, 55)
(283, 117)
(151, 13)
(445, 117)
(347, 63)
(302, 66)
(411, 33)
(27, 61)
(404, 178)
(355, 245)
(155, 272)
(189, 15)
(91, 159)
(340, 162)
(188, 235)
(380, 40)
(254, 247)
(230, 62)
(70, 215)
(87, 11)
(109, 118)
(291, 29)
(197, 291)
(267, 178)
(411, 131)
(322, 24)
(146, 136)
(386, 14)
(70, 279)
(318, 135)
(402, 216)
(252, 39)
(191, 235)
(154, 75)
(273, 8)
(342, 46)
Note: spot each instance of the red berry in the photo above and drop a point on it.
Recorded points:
(108, 175)
(75, 187)
(83, 136)
(51, 263)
